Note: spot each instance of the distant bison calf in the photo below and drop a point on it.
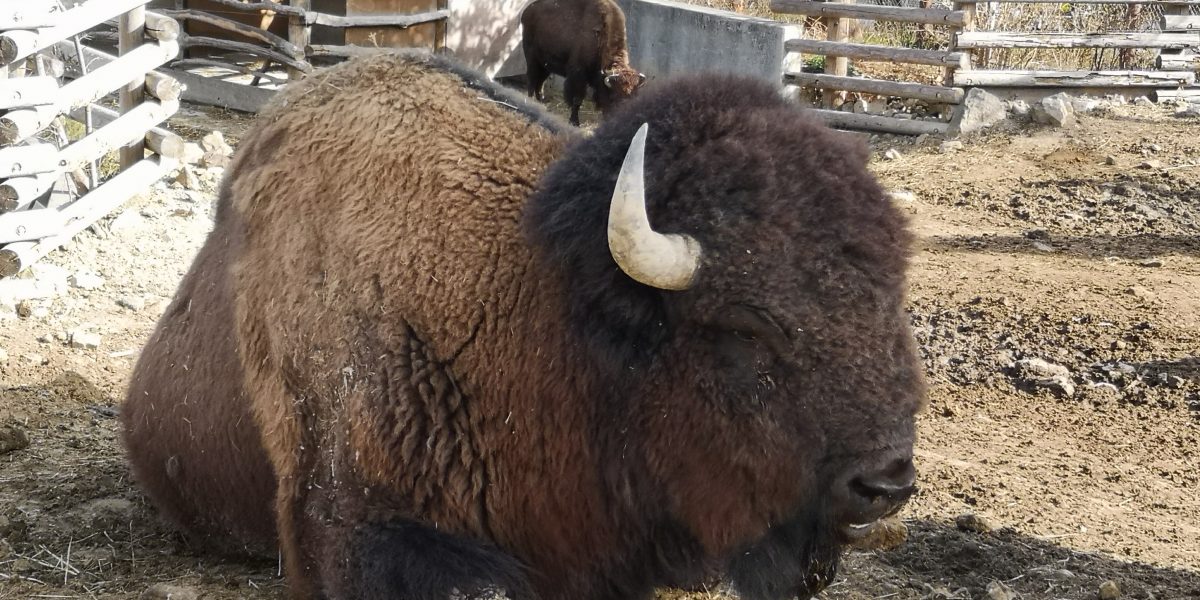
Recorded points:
(584, 41)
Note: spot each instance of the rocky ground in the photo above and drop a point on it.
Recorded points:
(1056, 298)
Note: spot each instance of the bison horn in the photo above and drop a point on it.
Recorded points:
(608, 80)
(665, 261)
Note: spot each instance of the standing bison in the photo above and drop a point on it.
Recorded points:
(442, 344)
(583, 41)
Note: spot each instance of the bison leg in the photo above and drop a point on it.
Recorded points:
(574, 91)
(536, 75)
(409, 560)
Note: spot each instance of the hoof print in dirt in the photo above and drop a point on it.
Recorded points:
(12, 439)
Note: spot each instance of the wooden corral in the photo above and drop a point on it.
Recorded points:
(1177, 44)
(51, 186)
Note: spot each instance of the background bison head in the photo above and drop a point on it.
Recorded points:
(765, 398)
(619, 83)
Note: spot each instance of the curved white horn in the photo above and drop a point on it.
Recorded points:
(664, 261)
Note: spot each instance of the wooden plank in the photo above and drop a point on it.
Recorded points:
(126, 131)
(22, 92)
(1000, 39)
(326, 50)
(1192, 94)
(17, 192)
(847, 120)
(1006, 78)
(158, 85)
(215, 92)
(401, 21)
(24, 225)
(161, 27)
(274, 7)
(72, 22)
(929, 93)
(241, 29)
(23, 123)
(1154, 2)
(81, 213)
(426, 35)
(1178, 61)
(131, 31)
(28, 159)
(29, 14)
(872, 53)
(1174, 22)
(128, 69)
(158, 140)
(931, 16)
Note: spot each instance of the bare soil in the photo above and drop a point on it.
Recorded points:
(1031, 246)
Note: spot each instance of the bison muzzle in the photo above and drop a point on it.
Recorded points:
(440, 343)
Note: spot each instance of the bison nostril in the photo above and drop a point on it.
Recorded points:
(896, 480)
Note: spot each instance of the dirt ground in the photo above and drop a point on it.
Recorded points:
(1055, 294)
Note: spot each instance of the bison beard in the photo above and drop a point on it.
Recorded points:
(480, 351)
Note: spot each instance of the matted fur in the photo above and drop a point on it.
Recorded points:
(442, 359)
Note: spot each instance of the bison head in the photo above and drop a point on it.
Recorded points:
(739, 277)
(620, 82)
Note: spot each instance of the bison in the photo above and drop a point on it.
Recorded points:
(583, 41)
(439, 343)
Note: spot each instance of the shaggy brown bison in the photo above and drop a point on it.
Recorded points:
(479, 351)
(583, 41)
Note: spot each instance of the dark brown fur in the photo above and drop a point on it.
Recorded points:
(457, 388)
(583, 41)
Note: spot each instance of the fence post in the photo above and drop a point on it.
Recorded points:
(131, 32)
(968, 9)
(836, 30)
(298, 35)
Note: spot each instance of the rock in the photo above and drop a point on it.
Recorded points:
(1145, 262)
(1190, 112)
(1120, 345)
(998, 591)
(134, 303)
(24, 309)
(1043, 247)
(902, 196)
(1138, 291)
(1151, 164)
(887, 534)
(979, 111)
(1055, 110)
(1084, 104)
(3, 356)
(192, 153)
(862, 106)
(187, 178)
(164, 591)
(12, 439)
(892, 154)
(84, 339)
(1036, 368)
(1019, 108)
(86, 280)
(1110, 160)
(36, 359)
(1142, 101)
(215, 142)
(974, 523)
(1109, 590)
(214, 159)
(1059, 384)
(951, 146)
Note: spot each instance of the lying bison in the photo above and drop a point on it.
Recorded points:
(435, 343)
(583, 41)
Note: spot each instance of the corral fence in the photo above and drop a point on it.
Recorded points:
(234, 53)
(55, 183)
(968, 53)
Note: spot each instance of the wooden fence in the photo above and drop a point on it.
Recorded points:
(51, 186)
(1177, 43)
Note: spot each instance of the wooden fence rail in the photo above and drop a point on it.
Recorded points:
(45, 197)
